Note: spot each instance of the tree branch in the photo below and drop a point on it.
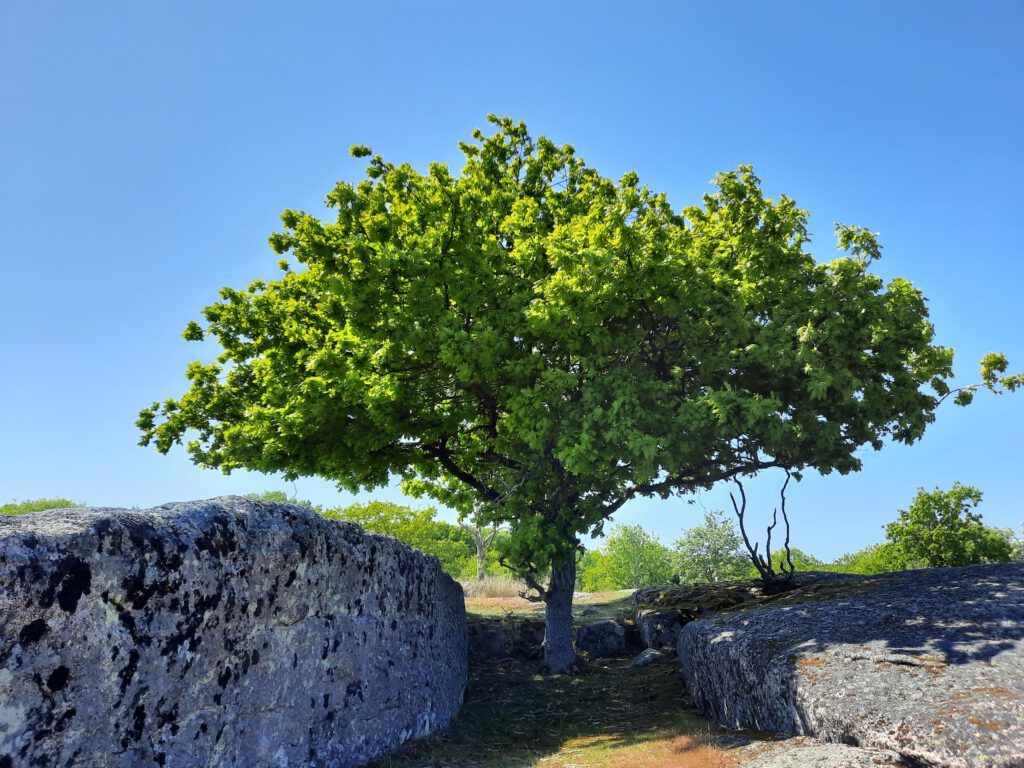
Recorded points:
(444, 457)
(785, 518)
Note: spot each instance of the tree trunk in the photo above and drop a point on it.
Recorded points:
(481, 554)
(559, 653)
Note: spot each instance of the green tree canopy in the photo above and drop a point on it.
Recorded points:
(939, 529)
(556, 343)
(877, 558)
(711, 551)
(418, 528)
(628, 559)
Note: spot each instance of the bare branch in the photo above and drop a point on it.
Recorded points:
(785, 518)
(741, 510)
(768, 542)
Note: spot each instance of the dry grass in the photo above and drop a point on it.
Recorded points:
(494, 587)
(587, 608)
(606, 715)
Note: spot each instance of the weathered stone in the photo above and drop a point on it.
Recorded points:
(803, 753)
(226, 632)
(929, 664)
(502, 638)
(602, 639)
(662, 611)
(488, 640)
(646, 656)
(660, 629)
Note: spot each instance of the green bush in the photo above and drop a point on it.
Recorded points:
(36, 505)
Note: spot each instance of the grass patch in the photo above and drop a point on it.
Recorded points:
(605, 715)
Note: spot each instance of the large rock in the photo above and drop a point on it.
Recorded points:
(929, 664)
(601, 639)
(503, 638)
(225, 632)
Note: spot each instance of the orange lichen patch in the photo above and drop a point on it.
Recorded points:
(994, 691)
(814, 661)
(930, 659)
(989, 724)
(937, 729)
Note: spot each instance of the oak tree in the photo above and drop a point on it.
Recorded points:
(556, 343)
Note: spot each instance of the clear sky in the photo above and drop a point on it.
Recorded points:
(149, 148)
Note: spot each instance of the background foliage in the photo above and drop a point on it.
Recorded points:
(36, 505)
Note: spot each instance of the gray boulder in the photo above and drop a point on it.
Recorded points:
(602, 639)
(504, 638)
(928, 664)
(226, 632)
(660, 629)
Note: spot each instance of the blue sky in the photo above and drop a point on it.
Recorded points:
(149, 148)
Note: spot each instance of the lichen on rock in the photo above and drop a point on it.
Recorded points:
(228, 632)
(928, 664)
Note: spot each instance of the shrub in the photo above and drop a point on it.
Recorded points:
(36, 505)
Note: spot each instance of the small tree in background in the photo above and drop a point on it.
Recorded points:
(939, 529)
(416, 527)
(282, 498)
(630, 558)
(798, 559)
(484, 535)
(711, 551)
(877, 558)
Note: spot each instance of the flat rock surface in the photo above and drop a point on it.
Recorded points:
(226, 632)
(928, 664)
(805, 753)
(662, 611)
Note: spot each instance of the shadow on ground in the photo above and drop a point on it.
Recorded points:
(607, 714)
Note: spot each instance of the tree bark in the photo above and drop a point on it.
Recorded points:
(559, 653)
(481, 554)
